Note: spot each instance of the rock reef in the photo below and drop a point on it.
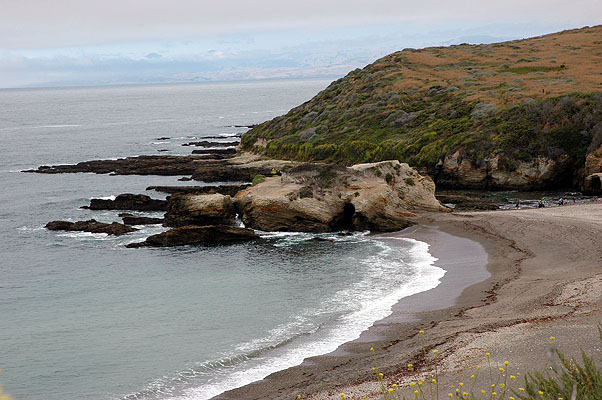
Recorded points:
(92, 226)
(186, 235)
(128, 201)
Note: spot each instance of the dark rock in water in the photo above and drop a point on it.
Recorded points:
(163, 138)
(224, 152)
(206, 143)
(197, 234)
(127, 201)
(138, 220)
(320, 239)
(229, 190)
(236, 135)
(141, 165)
(199, 167)
(465, 203)
(205, 209)
(184, 179)
(162, 150)
(345, 233)
(92, 226)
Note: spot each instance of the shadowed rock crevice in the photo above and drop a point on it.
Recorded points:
(344, 221)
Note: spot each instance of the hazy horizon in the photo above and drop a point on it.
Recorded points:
(120, 42)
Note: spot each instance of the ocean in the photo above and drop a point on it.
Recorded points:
(82, 317)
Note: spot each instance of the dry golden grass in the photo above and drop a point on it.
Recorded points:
(508, 72)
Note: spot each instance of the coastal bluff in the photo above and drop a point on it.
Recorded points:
(516, 115)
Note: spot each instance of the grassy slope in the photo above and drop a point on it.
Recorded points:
(517, 100)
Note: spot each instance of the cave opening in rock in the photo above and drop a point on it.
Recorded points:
(345, 219)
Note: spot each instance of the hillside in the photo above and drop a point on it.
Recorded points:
(523, 114)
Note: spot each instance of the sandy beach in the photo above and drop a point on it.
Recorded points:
(514, 278)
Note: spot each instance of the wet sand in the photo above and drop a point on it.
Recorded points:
(543, 278)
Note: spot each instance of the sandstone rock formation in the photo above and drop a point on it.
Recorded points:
(205, 209)
(320, 198)
(497, 173)
(197, 234)
(92, 226)
(592, 183)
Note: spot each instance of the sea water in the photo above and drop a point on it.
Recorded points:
(82, 317)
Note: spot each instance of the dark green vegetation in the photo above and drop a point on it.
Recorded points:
(431, 127)
(478, 102)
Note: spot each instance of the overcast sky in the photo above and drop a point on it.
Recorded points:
(64, 42)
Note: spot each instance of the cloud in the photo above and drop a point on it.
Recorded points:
(57, 23)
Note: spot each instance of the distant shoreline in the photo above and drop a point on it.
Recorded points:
(545, 281)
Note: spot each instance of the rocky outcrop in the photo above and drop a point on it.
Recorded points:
(128, 201)
(593, 162)
(241, 168)
(206, 209)
(206, 143)
(497, 173)
(141, 165)
(221, 152)
(130, 219)
(592, 184)
(197, 234)
(229, 190)
(92, 226)
(321, 198)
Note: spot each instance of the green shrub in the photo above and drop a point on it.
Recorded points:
(306, 192)
(257, 179)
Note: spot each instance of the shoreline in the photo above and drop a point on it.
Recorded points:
(537, 289)
(455, 254)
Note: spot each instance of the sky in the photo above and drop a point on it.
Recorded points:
(83, 42)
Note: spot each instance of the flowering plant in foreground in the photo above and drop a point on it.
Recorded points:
(567, 381)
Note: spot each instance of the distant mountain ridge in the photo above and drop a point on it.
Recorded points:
(523, 114)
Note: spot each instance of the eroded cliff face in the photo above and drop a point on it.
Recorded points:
(593, 162)
(592, 183)
(321, 198)
(497, 173)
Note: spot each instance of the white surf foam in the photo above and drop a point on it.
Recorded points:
(367, 300)
(57, 126)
